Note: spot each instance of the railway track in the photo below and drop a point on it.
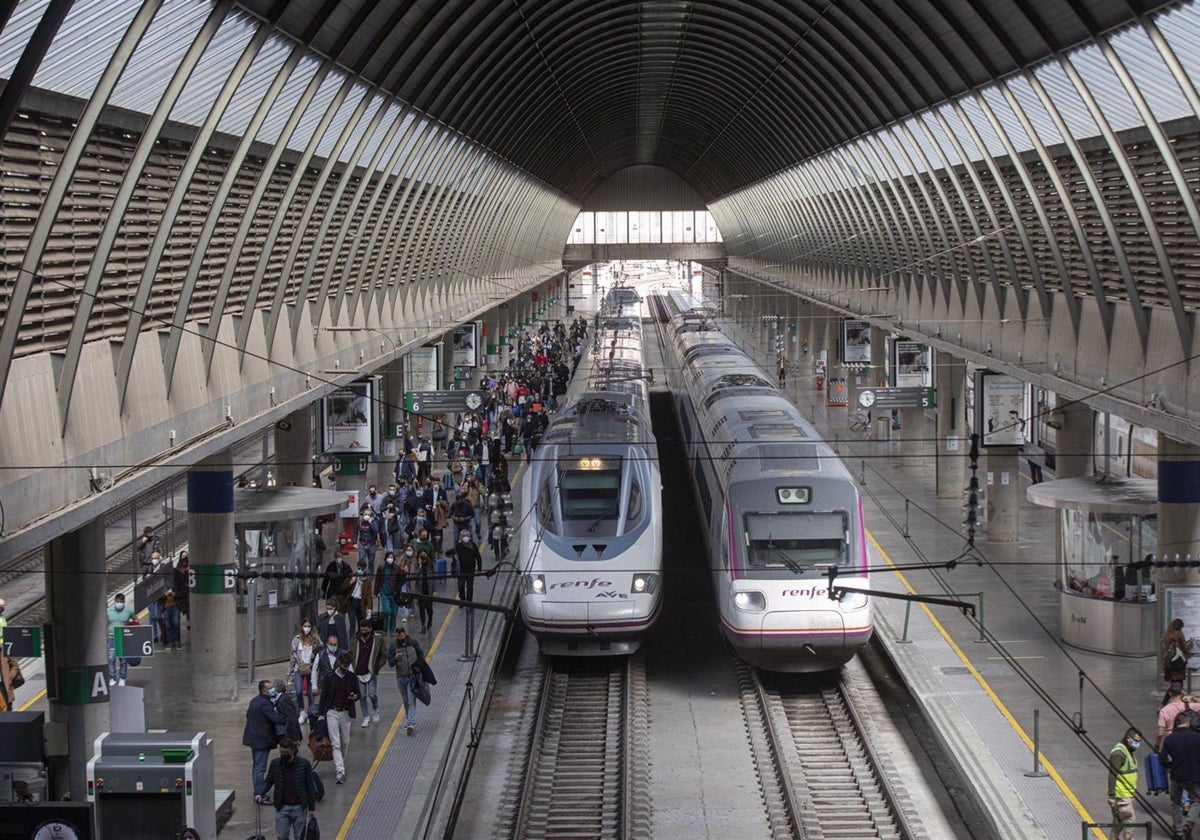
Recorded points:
(821, 778)
(585, 771)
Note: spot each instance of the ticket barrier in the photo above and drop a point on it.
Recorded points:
(151, 785)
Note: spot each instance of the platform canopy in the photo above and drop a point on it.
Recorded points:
(722, 92)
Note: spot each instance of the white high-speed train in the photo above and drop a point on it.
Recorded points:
(593, 541)
(779, 506)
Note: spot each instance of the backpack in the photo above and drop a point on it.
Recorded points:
(315, 786)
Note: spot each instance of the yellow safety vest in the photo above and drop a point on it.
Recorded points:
(1126, 784)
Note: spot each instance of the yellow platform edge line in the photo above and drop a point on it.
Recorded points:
(983, 683)
(344, 831)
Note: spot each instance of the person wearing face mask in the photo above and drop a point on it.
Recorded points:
(339, 692)
(289, 776)
(305, 648)
(259, 734)
(388, 580)
(118, 615)
(423, 574)
(361, 597)
(327, 660)
(366, 536)
(470, 562)
(1122, 782)
(333, 622)
(1180, 757)
(368, 655)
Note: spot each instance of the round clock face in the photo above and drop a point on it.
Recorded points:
(474, 401)
(866, 399)
(55, 830)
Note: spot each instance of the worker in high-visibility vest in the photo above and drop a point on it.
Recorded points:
(1122, 782)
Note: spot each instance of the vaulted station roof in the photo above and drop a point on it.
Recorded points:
(722, 92)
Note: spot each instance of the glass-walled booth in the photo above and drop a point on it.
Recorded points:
(1105, 527)
(274, 536)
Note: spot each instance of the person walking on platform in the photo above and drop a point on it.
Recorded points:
(1122, 782)
(1177, 702)
(327, 659)
(1180, 757)
(369, 653)
(117, 617)
(259, 734)
(338, 694)
(469, 564)
(332, 622)
(403, 655)
(305, 649)
(388, 580)
(425, 574)
(286, 706)
(362, 597)
(288, 775)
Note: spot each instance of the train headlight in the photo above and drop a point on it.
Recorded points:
(750, 601)
(535, 584)
(644, 584)
(853, 601)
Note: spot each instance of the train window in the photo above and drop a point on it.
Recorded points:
(800, 543)
(634, 514)
(545, 509)
(590, 500)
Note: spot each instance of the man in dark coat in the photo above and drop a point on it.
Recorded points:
(294, 803)
(470, 562)
(259, 734)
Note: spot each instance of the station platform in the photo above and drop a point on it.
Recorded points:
(983, 697)
(397, 785)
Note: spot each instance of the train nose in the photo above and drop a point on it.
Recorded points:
(817, 629)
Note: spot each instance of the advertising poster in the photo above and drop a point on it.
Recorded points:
(856, 341)
(1003, 410)
(421, 370)
(348, 418)
(465, 345)
(910, 361)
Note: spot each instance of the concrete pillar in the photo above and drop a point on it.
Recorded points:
(833, 356)
(77, 653)
(393, 388)
(213, 607)
(1074, 442)
(293, 449)
(953, 444)
(878, 373)
(1002, 494)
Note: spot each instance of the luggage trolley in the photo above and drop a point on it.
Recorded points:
(152, 785)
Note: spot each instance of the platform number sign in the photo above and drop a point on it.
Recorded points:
(133, 641)
(23, 642)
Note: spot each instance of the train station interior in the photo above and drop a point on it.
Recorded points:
(252, 252)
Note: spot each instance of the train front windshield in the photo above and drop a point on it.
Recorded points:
(589, 498)
(802, 544)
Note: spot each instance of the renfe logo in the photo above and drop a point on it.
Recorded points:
(581, 584)
(814, 592)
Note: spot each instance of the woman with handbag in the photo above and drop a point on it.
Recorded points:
(305, 645)
(1176, 650)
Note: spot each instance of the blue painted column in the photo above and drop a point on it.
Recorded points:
(213, 622)
(1178, 516)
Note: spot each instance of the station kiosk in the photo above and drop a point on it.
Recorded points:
(274, 529)
(151, 785)
(1106, 603)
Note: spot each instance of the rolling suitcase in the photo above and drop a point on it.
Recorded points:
(257, 835)
(1156, 776)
